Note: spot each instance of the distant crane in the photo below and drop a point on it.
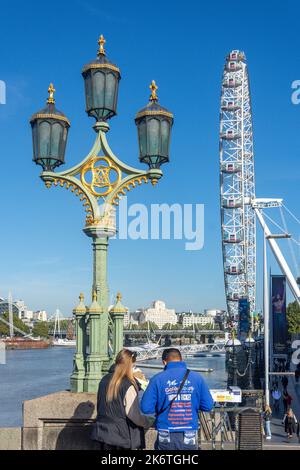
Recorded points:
(10, 316)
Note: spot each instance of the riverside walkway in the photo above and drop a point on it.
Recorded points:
(279, 439)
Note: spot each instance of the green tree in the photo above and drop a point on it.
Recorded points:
(293, 317)
(171, 326)
(41, 328)
(151, 325)
(18, 323)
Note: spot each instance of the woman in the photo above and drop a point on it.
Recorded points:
(119, 423)
(290, 423)
(267, 419)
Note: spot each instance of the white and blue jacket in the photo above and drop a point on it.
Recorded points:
(183, 414)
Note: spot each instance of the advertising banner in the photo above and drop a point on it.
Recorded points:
(279, 320)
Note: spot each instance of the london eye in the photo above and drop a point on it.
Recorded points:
(237, 185)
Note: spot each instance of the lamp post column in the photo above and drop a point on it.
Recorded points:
(78, 374)
(117, 313)
(100, 286)
(234, 364)
(95, 358)
(250, 373)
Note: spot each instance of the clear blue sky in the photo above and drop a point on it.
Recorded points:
(45, 257)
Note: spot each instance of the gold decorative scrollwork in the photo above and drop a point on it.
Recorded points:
(104, 176)
(127, 187)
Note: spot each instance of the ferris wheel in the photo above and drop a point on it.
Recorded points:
(237, 185)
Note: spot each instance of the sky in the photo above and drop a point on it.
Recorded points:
(46, 259)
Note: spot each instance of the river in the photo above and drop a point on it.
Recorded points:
(33, 373)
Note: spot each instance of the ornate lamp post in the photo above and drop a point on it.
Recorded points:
(231, 346)
(99, 181)
(250, 344)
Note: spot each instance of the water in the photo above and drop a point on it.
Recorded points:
(33, 373)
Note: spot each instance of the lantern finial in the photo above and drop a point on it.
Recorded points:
(153, 87)
(51, 91)
(101, 43)
(119, 297)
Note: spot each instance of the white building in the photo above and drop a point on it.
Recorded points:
(40, 315)
(127, 316)
(159, 314)
(193, 319)
(213, 312)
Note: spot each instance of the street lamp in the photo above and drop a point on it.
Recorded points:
(99, 180)
(231, 346)
(249, 343)
(49, 134)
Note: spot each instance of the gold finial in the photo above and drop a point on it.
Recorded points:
(101, 43)
(119, 296)
(51, 91)
(95, 296)
(153, 87)
(81, 297)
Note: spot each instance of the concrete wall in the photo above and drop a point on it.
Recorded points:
(10, 438)
(62, 420)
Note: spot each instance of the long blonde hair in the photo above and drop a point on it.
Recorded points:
(124, 362)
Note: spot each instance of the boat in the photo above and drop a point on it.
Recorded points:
(25, 343)
(57, 338)
(64, 342)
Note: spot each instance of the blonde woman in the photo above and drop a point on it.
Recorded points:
(267, 420)
(119, 423)
(290, 422)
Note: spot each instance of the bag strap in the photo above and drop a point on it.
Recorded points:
(178, 392)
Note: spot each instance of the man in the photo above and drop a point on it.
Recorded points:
(175, 396)
(276, 394)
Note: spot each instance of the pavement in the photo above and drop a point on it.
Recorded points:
(279, 439)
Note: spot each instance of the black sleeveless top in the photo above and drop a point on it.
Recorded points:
(112, 425)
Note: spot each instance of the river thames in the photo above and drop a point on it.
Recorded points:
(33, 373)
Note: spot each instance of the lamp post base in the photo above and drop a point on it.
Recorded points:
(96, 369)
(77, 382)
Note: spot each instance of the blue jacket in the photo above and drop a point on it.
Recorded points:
(194, 397)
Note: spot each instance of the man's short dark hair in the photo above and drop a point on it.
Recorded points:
(171, 354)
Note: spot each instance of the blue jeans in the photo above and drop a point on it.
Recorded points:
(166, 440)
(268, 428)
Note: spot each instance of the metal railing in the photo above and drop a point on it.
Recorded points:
(219, 429)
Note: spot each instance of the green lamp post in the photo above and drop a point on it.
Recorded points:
(117, 314)
(99, 181)
(78, 374)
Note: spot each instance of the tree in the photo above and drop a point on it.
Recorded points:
(151, 325)
(293, 317)
(171, 326)
(18, 323)
(41, 328)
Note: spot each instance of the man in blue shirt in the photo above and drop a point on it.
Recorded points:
(175, 396)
